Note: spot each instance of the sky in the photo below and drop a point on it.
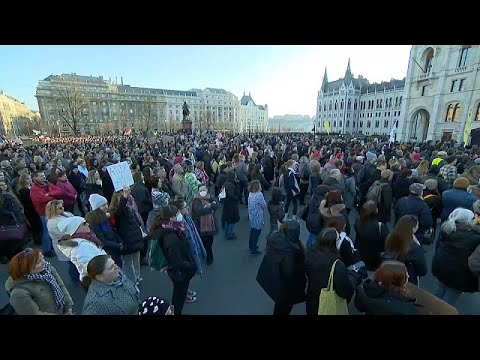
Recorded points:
(285, 77)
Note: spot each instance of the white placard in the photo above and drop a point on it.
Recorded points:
(121, 175)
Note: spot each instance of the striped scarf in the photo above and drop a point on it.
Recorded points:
(46, 276)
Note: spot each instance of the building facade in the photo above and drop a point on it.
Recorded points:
(253, 117)
(442, 90)
(290, 123)
(14, 116)
(98, 106)
(354, 106)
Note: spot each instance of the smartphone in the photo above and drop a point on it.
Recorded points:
(357, 266)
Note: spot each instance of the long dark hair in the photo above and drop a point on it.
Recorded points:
(400, 240)
(96, 216)
(368, 211)
(327, 240)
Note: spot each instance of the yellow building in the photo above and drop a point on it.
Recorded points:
(12, 110)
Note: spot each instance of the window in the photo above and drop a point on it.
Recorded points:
(377, 124)
(334, 124)
(454, 85)
(325, 106)
(369, 124)
(349, 104)
(330, 106)
(400, 101)
(341, 105)
(428, 61)
(355, 105)
(449, 116)
(477, 116)
(423, 90)
(385, 123)
(396, 101)
(464, 55)
(354, 124)
(340, 124)
(336, 105)
(461, 87)
(456, 112)
(320, 107)
(347, 123)
(361, 123)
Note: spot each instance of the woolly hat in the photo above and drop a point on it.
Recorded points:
(153, 306)
(70, 225)
(371, 156)
(461, 183)
(416, 188)
(431, 184)
(97, 201)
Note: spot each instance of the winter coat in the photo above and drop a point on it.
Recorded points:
(414, 205)
(385, 203)
(350, 193)
(370, 241)
(256, 210)
(450, 262)
(31, 297)
(401, 187)
(198, 210)
(454, 198)
(128, 228)
(276, 211)
(142, 198)
(231, 213)
(93, 189)
(112, 243)
(314, 218)
(40, 199)
(11, 211)
(282, 271)
(414, 261)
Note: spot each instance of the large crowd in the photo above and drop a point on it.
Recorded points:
(57, 199)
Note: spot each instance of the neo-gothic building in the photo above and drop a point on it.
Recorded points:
(441, 90)
(354, 106)
(105, 106)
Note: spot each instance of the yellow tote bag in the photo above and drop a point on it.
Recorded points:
(330, 303)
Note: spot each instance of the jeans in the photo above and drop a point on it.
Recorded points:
(180, 289)
(131, 265)
(244, 190)
(46, 239)
(446, 293)
(229, 230)
(254, 235)
(291, 199)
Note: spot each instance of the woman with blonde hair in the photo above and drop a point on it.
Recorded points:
(93, 185)
(200, 173)
(422, 169)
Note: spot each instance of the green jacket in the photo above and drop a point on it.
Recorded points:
(29, 297)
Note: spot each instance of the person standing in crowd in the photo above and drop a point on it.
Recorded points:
(93, 185)
(192, 183)
(256, 209)
(141, 196)
(203, 210)
(110, 292)
(129, 225)
(282, 271)
(402, 245)
(160, 198)
(99, 224)
(172, 240)
(241, 169)
(231, 212)
(34, 222)
(179, 185)
(41, 193)
(276, 209)
(304, 175)
(350, 193)
(291, 189)
(69, 195)
(78, 179)
(34, 286)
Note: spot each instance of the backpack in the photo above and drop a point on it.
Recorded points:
(375, 192)
(156, 256)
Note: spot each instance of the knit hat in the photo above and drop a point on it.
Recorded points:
(416, 188)
(159, 199)
(97, 201)
(461, 183)
(70, 225)
(153, 306)
(442, 153)
(431, 184)
(371, 156)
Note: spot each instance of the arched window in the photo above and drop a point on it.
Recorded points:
(456, 112)
(349, 104)
(464, 55)
(449, 116)
(325, 106)
(336, 105)
(396, 101)
(354, 124)
(369, 124)
(330, 105)
(355, 105)
(334, 124)
(477, 116)
(377, 124)
(428, 60)
(340, 124)
(381, 103)
(347, 124)
(361, 123)
(319, 107)
(400, 101)
(341, 105)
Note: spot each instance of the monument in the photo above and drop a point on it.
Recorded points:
(186, 123)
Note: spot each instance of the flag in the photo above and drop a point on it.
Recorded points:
(468, 125)
(326, 124)
(392, 132)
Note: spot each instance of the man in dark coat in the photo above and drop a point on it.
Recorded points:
(231, 213)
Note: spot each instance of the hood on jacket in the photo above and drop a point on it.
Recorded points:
(322, 189)
(11, 284)
(279, 245)
(333, 210)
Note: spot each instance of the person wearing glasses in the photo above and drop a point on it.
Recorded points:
(110, 292)
(78, 243)
(34, 286)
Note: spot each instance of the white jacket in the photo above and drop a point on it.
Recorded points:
(80, 255)
(56, 234)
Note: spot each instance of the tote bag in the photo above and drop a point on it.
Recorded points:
(330, 302)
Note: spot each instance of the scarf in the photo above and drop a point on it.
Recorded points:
(179, 226)
(195, 245)
(46, 276)
(132, 205)
(90, 237)
(207, 223)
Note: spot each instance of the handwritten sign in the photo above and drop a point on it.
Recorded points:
(121, 175)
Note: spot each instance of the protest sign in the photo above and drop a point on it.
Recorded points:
(121, 175)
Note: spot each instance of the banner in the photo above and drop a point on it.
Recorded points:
(326, 125)
(468, 125)
(392, 132)
(121, 175)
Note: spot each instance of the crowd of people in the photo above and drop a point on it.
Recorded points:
(57, 198)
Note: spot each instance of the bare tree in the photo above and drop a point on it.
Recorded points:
(209, 119)
(72, 105)
(149, 113)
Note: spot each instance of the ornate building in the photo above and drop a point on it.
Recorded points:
(354, 106)
(253, 117)
(15, 116)
(93, 105)
(441, 90)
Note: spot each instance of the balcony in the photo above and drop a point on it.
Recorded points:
(426, 76)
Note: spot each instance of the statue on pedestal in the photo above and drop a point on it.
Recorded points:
(186, 111)
(187, 124)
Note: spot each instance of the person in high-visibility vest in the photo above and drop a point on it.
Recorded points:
(440, 159)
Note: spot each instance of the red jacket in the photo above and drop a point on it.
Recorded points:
(69, 192)
(38, 193)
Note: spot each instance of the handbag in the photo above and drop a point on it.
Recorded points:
(17, 232)
(329, 302)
